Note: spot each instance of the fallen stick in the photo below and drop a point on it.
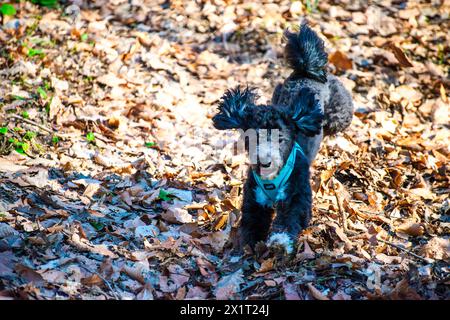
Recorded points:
(427, 260)
(31, 122)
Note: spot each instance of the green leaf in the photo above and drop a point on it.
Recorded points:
(164, 195)
(84, 37)
(97, 225)
(55, 139)
(7, 9)
(150, 144)
(35, 52)
(15, 97)
(30, 135)
(42, 93)
(3, 130)
(47, 85)
(25, 146)
(46, 3)
(25, 114)
(21, 147)
(90, 137)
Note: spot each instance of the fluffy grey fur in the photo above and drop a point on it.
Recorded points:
(309, 104)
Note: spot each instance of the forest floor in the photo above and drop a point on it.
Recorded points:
(112, 184)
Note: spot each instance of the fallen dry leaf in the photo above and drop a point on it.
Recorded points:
(400, 55)
(411, 229)
(340, 60)
(316, 293)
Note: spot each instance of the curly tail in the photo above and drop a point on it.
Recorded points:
(305, 54)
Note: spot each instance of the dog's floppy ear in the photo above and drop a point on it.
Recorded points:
(306, 113)
(235, 107)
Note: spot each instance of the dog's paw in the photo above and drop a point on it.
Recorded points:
(281, 241)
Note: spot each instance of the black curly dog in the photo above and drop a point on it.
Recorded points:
(310, 104)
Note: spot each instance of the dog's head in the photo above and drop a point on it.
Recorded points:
(268, 132)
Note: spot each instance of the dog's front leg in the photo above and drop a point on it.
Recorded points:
(256, 217)
(291, 219)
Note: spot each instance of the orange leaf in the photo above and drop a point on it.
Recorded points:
(341, 61)
(411, 229)
(316, 293)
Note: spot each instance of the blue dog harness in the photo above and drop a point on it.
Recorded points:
(272, 187)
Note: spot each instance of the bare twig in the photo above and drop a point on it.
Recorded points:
(427, 260)
(101, 277)
(32, 123)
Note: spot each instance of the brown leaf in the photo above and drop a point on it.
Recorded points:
(93, 280)
(443, 93)
(316, 293)
(85, 245)
(229, 286)
(403, 291)
(146, 293)
(341, 61)
(7, 260)
(437, 248)
(177, 214)
(388, 259)
(340, 295)
(6, 230)
(411, 228)
(111, 80)
(196, 293)
(29, 274)
(267, 265)
(307, 252)
(400, 55)
(10, 166)
(290, 291)
(216, 240)
(405, 93)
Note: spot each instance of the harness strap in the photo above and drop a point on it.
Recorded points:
(272, 187)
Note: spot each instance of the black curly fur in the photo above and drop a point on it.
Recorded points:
(292, 215)
(237, 110)
(305, 54)
(309, 104)
(306, 113)
(234, 108)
